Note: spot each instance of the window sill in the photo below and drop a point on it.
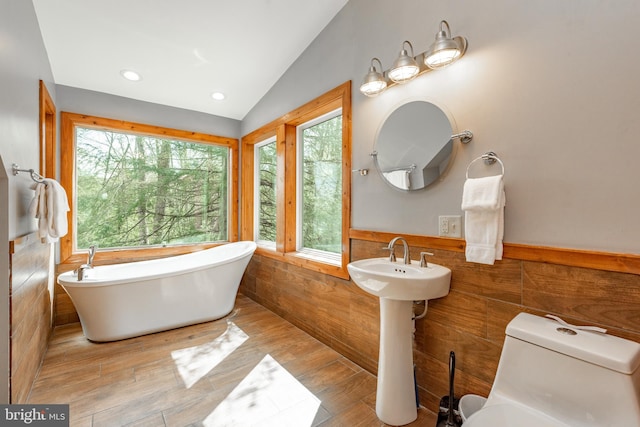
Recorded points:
(121, 256)
(310, 260)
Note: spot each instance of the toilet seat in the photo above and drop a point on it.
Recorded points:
(505, 415)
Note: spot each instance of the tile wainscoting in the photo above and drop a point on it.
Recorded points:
(31, 267)
(471, 320)
(582, 287)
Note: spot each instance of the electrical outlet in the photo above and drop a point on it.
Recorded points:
(444, 225)
(450, 226)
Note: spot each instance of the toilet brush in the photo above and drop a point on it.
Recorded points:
(447, 416)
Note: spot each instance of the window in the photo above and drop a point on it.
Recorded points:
(296, 185)
(319, 216)
(137, 187)
(265, 196)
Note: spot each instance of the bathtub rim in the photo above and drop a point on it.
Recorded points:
(69, 279)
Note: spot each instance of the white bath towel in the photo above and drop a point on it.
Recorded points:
(50, 207)
(482, 194)
(399, 178)
(483, 201)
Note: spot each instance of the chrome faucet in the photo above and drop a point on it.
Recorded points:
(392, 257)
(79, 272)
(92, 253)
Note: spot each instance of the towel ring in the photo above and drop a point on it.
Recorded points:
(489, 158)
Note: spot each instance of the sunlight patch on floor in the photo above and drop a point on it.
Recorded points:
(268, 396)
(193, 363)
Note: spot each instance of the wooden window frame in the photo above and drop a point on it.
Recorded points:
(69, 121)
(284, 128)
(47, 133)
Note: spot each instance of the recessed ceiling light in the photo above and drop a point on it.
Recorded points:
(218, 96)
(130, 75)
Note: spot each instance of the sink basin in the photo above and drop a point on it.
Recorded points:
(397, 285)
(398, 281)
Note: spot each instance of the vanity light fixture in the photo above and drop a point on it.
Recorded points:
(444, 51)
(405, 67)
(374, 82)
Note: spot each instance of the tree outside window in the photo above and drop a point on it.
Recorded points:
(321, 219)
(266, 194)
(135, 191)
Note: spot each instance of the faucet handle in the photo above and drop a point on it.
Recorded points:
(423, 258)
(392, 254)
(80, 271)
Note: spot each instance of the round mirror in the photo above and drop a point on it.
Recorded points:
(414, 146)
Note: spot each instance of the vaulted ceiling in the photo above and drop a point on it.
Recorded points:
(184, 51)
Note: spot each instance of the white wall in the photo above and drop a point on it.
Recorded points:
(23, 62)
(81, 101)
(551, 86)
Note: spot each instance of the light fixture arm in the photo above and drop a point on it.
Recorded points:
(410, 47)
(373, 67)
(444, 24)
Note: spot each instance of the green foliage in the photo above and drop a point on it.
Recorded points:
(136, 190)
(267, 192)
(322, 186)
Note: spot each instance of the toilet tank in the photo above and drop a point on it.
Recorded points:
(581, 378)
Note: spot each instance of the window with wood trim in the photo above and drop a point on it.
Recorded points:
(307, 177)
(143, 190)
(265, 194)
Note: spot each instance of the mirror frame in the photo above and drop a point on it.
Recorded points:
(451, 157)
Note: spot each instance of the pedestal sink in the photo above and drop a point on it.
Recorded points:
(398, 285)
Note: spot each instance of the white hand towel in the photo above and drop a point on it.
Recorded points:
(57, 208)
(38, 187)
(483, 201)
(399, 178)
(50, 207)
(38, 209)
(482, 193)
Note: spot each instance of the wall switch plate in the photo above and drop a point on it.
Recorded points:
(450, 226)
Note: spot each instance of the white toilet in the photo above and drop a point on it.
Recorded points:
(552, 375)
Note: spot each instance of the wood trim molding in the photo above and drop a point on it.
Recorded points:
(22, 242)
(246, 212)
(48, 147)
(285, 130)
(607, 261)
(323, 104)
(294, 259)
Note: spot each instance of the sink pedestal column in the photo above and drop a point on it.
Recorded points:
(395, 395)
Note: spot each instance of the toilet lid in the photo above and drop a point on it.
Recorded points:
(504, 415)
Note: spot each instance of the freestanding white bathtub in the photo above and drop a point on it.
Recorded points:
(128, 300)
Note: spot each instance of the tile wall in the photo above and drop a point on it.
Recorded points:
(31, 311)
(470, 321)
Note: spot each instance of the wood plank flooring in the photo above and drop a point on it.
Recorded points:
(251, 368)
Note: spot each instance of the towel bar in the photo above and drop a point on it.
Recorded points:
(34, 175)
(489, 158)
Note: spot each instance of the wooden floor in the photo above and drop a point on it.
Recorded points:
(250, 369)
